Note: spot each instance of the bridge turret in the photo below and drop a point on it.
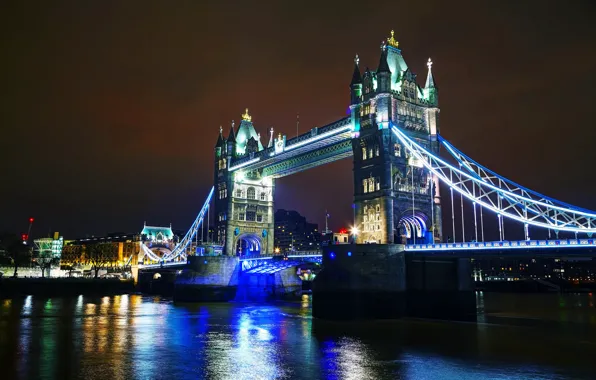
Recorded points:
(356, 84)
(383, 97)
(231, 142)
(383, 72)
(220, 145)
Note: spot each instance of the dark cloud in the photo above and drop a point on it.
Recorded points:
(109, 110)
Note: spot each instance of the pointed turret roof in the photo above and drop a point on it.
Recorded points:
(246, 130)
(430, 80)
(220, 138)
(232, 135)
(356, 77)
(383, 66)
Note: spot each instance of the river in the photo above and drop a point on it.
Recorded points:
(518, 336)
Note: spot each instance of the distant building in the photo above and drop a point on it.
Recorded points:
(292, 231)
(578, 270)
(126, 245)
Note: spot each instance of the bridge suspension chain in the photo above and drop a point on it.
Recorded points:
(182, 246)
(499, 194)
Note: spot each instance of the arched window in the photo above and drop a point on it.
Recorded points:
(371, 185)
(251, 193)
(365, 185)
(364, 153)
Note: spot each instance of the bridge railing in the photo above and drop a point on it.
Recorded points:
(281, 255)
(522, 244)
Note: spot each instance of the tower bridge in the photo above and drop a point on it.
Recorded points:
(400, 164)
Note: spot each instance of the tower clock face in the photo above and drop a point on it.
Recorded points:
(279, 145)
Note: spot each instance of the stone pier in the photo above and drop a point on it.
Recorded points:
(208, 279)
(380, 281)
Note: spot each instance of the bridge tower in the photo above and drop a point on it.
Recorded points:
(395, 198)
(244, 199)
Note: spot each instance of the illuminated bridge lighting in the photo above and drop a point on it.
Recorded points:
(500, 245)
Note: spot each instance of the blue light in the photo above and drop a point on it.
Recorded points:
(205, 262)
(332, 255)
(349, 254)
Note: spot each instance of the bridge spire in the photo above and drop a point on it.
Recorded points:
(430, 80)
(270, 138)
(356, 77)
(430, 88)
(220, 138)
(232, 135)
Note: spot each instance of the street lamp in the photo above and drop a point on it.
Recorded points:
(354, 231)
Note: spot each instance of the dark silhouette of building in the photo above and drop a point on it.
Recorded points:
(292, 231)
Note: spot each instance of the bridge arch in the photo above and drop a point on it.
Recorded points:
(413, 226)
(248, 244)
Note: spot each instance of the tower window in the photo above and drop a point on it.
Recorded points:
(241, 216)
(239, 193)
(251, 193)
(397, 150)
(259, 218)
(370, 153)
(251, 216)
(364, 153)
(263, 196)
(377, 150)
(365, 185)
(378, 184)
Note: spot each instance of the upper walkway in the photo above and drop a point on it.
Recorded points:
(313, 148)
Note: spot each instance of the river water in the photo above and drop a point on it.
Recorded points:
(518, 336)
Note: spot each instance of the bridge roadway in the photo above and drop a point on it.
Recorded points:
(520, 248)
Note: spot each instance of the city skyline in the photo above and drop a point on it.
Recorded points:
(116, 129)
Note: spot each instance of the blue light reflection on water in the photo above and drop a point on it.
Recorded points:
(137, 337)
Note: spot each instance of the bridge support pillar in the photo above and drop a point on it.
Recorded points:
(257, 287)
(208, 279)
(380, 281)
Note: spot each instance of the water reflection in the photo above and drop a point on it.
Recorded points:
(136, 337)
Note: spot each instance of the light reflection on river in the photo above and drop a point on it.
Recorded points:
(541, 336)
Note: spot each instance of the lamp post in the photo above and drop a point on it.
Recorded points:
(354, 231)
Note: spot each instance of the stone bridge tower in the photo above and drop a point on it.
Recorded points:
(243, 199)
(396, 199)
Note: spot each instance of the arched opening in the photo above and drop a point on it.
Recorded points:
(248, 244)
(413, 228)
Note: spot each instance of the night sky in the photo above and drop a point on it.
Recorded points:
(110, 110)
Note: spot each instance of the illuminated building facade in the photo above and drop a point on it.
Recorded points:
(243, 200)
(292, 231)
(127, 245)
(396, 199)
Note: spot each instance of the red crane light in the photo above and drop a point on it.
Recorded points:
(24, 237)
(31, 220)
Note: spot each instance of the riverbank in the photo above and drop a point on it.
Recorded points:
(535, 286)
(64, 286)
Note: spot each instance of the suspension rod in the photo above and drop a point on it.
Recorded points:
(452, 214)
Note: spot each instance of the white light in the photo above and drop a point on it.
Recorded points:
(254, 160)
(411, 145)
(318, 137)
(354, 230)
